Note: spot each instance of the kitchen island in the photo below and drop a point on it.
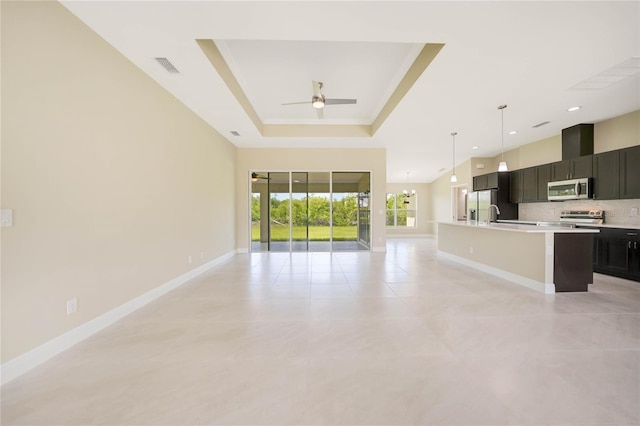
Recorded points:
(545, 258)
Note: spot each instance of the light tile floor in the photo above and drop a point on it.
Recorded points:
(350, 338)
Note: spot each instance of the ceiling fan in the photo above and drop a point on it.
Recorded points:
(318, 101)
(255, 177)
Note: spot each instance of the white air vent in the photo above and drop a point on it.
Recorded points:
(167, 65)
(610, 76)
(541, 124)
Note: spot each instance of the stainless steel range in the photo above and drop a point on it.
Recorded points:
(582, 217)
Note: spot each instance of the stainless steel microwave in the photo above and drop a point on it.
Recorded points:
(572, 189)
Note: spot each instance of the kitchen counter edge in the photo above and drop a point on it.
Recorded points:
(587, 225)
(511, 227)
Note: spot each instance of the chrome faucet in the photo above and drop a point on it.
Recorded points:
(489, 212)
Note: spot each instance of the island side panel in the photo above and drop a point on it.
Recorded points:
(519, 253)
(573, 262)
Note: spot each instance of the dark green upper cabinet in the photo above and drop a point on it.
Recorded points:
(515, 186)
(480, 183)
(543, 176)
(580, 167)
(630, 172)
(577, 141)
(560, 170)
(493, 180)
(529, 185)
(616, 175)
(606, 175)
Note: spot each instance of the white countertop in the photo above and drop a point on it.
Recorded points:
(591, 225)
(513, 227)
(606, 225)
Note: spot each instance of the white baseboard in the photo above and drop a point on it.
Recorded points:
(242, 250)
(390, 236)
(25, 362)
(380, 249)
(547, 288)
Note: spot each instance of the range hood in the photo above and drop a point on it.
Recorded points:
(577, 141)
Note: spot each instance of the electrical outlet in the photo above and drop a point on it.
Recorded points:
(634, 211)
(190, 259)
(201, 255)
(72, 306)
(470, 250)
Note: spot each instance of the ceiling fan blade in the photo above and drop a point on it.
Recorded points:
(255, 176)
(339, 101)
(317, 86)
(320, 112)
(297, 103)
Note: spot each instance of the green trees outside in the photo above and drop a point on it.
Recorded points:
(255, 208)
(397, 206)
(345, 211)
(345, 216)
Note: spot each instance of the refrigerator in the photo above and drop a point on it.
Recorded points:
(478, 203)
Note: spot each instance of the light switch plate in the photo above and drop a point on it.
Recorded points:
(634, 211)
(6, 217)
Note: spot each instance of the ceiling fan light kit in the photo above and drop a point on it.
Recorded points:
(318, 101)
(255, 177)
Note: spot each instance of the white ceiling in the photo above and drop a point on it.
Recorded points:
(529, 55)
(366, 71)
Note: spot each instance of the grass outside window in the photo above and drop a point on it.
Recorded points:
(316, 233)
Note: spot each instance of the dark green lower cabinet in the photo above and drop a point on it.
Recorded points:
(617, 252)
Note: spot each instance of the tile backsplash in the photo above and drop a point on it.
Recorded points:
(616, 212)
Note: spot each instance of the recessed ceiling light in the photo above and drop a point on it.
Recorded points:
(234, 133)
(441, 170)
(513, 132)
(474, 147)
(574, 108)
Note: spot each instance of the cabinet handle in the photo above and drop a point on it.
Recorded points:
(628, 244)
(635, 245)
(632, 234)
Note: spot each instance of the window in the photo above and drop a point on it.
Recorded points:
(402, 209)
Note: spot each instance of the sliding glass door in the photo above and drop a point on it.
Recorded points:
(350, 222)
(310, 211)
(300, 211)
(319, 211)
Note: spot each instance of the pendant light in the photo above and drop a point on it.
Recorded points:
(454, 178)
(502, 167)
(406, 191)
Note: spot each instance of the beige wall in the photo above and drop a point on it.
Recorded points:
(482, 165)
(441, 189)
(616, 133)
(423, 224)
(113, 182)
(317, 160)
